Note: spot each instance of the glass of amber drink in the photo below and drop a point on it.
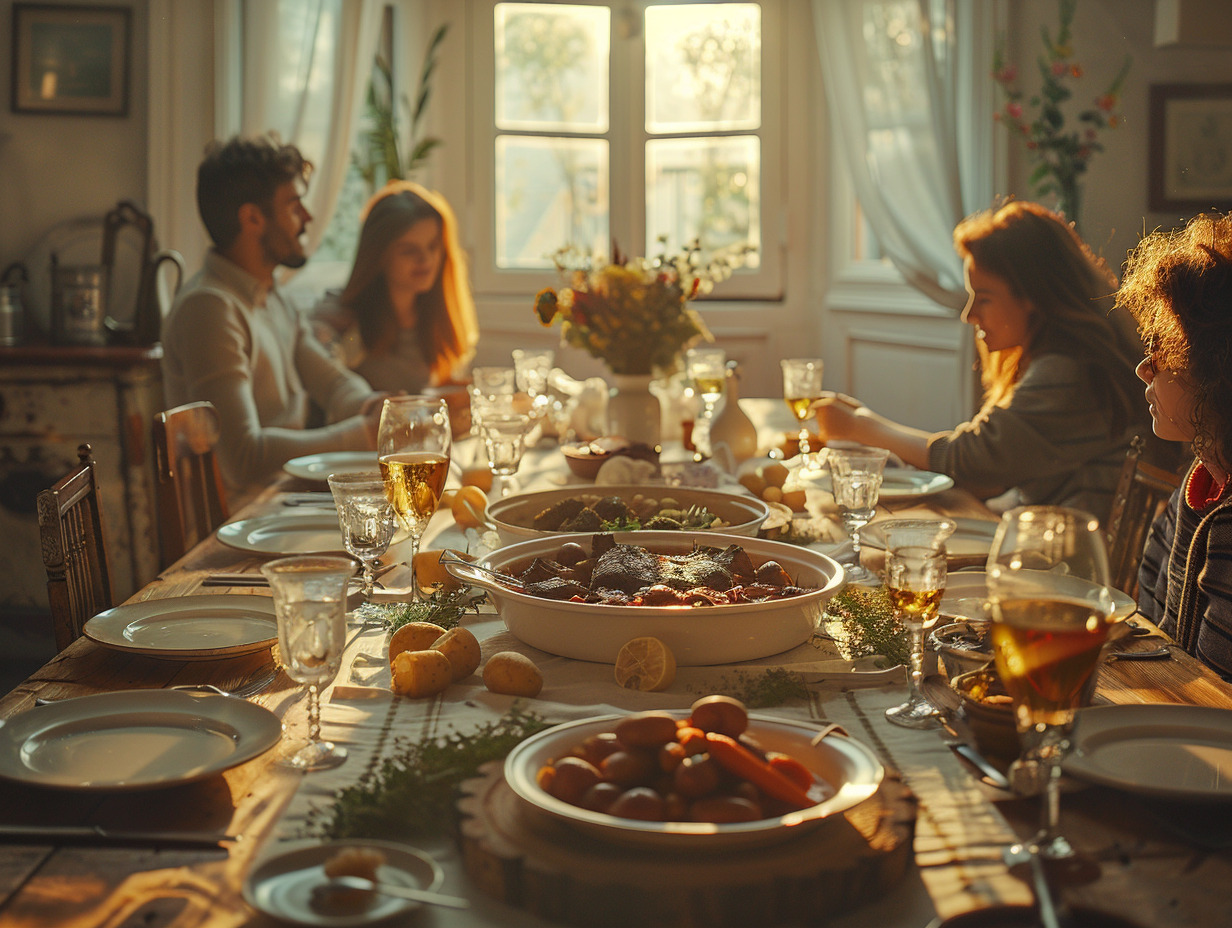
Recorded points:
(413, 445)
(915, 577)
(1050, 604)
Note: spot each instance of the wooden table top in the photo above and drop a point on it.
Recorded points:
(47, 885)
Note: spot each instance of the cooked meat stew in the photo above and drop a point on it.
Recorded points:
(630, 575)
(591, 513)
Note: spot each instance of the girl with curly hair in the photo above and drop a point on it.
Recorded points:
(405, 320)
(1178, 285)
(1060, 400)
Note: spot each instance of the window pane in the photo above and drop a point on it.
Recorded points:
(707, 189)
(549, 193)
(552, 67)
(703, 67)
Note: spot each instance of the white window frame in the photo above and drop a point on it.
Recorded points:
(627, 140)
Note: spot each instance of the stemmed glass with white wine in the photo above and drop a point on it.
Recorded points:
(801, 389)
(1050, 603)
(366, 519)
(706, 367)
(310, 606)
(855, 480)
(915, 577)
(413, 446)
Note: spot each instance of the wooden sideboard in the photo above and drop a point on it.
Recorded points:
(52, 398)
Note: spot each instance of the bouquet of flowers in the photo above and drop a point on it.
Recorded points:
(633, 313)
(1062, 154)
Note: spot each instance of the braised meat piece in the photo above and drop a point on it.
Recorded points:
(625, 567)
(556, 588)
(613, 509)
(556, 515)
(586, 520)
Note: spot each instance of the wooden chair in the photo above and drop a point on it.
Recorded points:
(70, 521)
(192, 501)
(1141, 494)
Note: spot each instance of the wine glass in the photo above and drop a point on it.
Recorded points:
(915, 577)
(1050, 604)
(310, 605)
(855, 480)
(413, 445)
(504, 439)
(366, 519)
(707, 368)
(801, 389)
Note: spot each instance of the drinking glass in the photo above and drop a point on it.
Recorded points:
(707, 369)
(366, 519)
(504, 439)
(801, 389)
(1050, 604)
(413, 446)
(855, 480)
(915, 577)
(310, 605)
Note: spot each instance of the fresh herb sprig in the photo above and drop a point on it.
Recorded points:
(861, 621)
(772, 687)
(444, 608)
(412, 792)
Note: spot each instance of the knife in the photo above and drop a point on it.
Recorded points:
(977, 760)
(235, 579)
(97, 836)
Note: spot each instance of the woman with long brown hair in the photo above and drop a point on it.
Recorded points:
(1060, 399)
(405, 320)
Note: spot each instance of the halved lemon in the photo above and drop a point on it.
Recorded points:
(645, 664)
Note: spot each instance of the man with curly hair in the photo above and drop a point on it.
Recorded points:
(230, 338)
(1178, 285)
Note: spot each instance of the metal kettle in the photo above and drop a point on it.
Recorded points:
(146, 322)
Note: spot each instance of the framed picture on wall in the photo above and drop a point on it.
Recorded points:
(1191, 147)
(70, 60)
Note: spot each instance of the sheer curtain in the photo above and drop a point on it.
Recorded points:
(911, 106)
(306, 65)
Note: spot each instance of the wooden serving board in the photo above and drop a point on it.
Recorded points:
(529, 859)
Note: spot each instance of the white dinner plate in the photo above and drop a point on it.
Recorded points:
(903, 483)
(320, 466)
(966, 591)
(134, 739)
(971, 538)
(849, 768)
(1173, 752)
(281, 886)
(188, 628)
(286, 533)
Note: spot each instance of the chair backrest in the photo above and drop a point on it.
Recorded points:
(1141, 494)
(192, 501)
(70, 521)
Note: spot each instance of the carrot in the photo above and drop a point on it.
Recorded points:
(740, 761)
(791, 768)
(692, 739)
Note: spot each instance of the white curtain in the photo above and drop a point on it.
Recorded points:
(911, 106)
(306, 65)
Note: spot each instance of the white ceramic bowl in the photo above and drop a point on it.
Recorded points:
(514, 514)
(696, 634)
(849, 767)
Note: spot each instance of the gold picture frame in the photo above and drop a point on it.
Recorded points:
(70, 60)
(1190, 148)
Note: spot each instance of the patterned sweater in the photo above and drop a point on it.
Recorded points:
(1185, 581)
(1052, 443)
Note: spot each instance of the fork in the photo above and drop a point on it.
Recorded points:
(248, 688)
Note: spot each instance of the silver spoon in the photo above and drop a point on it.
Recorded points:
(1155, 654)
(346, 884)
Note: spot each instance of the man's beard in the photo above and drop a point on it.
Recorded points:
(280, 251)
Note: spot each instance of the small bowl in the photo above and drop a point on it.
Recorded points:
(962, 646)
(586, 457)
(989, 712)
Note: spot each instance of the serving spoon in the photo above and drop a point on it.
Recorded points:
(324, 896)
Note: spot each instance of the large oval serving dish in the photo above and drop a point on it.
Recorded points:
(697, 635)
(847, 765)
(514, 515)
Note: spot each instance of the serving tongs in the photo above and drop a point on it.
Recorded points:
(482, 576)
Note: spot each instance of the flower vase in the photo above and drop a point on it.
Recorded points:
(1069, 200)
(633, 412)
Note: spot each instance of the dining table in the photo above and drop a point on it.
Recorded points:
(186, 854)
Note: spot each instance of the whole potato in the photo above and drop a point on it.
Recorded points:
(413, 636)
(512, 674)
(420, 673)
(462, 648)
(646, 729)
(721, 714)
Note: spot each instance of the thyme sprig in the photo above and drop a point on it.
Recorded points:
(442, 607)
(861, 621)
(412, 792)
(771, 687)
